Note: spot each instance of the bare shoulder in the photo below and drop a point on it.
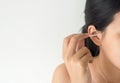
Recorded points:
(60, 74)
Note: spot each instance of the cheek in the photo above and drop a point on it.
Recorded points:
(111, 48)
(111, 45)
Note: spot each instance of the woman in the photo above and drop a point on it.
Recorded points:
(93, 56)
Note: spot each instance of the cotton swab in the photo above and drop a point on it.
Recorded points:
(92, 35)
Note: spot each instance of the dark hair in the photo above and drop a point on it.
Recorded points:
(99, 13)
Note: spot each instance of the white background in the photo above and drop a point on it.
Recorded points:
(31, 37)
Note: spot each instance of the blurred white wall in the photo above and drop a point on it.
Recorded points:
(31, 37)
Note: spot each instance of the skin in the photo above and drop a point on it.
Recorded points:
(104, 68)
(108, 61)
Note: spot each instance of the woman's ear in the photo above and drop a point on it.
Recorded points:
(96, 39)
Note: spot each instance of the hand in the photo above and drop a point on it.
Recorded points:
(76, 58)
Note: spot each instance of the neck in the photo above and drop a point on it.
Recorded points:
(108, 71)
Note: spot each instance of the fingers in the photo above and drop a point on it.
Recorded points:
(80, 44)
(82, 58)
(84, 55)
(76, 56)
(73, 42)
(66, 42)
(86, 59)
(82, 52)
